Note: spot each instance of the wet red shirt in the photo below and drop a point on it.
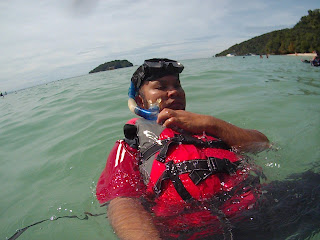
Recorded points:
(121, 176)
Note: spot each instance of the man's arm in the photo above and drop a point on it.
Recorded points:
(130, 220)
(242, 139)
(121, 177)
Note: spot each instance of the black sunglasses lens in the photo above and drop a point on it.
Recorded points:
(152, 64)
(164, 64)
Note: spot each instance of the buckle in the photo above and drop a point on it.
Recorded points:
(172, 168)
(211, 164)
(180, 138)
(195, 177)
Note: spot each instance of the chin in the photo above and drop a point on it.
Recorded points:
(177, 107)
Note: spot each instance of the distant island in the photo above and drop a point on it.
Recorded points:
(304, 37)
(112, 65)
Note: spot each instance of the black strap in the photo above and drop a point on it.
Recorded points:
(155, 147)
(201, 169)
(198, 169)
(187, 139)
(164, 150)
(172, 173)
(22, 230)
(177, 183)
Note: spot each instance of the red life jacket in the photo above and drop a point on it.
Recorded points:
(181, 171)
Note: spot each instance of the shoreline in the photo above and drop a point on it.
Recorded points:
(302, 54)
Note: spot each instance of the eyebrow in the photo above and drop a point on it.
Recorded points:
(177, 79)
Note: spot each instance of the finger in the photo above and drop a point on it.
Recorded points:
(170, 122)
(165, 114)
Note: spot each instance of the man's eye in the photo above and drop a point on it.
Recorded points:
(161, 87)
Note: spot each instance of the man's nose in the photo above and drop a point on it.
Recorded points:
(172, 91)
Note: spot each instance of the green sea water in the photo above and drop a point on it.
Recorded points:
(55, 138)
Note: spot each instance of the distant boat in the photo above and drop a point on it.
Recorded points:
(250, 54)
(231, 55)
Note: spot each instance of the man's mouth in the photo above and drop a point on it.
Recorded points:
(175, 105)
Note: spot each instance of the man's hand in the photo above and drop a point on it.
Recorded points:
(188, 121)
(239, 138)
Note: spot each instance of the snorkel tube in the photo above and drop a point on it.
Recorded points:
(149, 114)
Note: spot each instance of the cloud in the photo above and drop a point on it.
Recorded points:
(39, 39)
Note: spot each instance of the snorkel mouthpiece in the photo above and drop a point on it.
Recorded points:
(149, 114)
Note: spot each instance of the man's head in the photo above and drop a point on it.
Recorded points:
(159, 79)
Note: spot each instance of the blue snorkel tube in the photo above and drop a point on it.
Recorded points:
(149, 114)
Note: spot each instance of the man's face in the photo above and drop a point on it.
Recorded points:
(168, 89)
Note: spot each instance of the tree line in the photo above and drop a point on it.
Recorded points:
(303, 37)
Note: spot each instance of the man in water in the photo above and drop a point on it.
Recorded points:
(182, 175)
(316, 59)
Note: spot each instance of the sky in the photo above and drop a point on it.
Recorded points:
(43, 41)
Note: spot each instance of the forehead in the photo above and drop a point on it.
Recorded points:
(170, 79)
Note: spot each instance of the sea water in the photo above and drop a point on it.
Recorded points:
(55, 138)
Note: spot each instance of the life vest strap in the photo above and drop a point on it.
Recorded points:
(187, 139)
(172, 172)
(198, 169)
(201, 169)
(153, 149)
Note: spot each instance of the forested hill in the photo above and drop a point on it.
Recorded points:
(303, 37)
(112, 65)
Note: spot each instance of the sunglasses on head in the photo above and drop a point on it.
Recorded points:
(163, 64)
